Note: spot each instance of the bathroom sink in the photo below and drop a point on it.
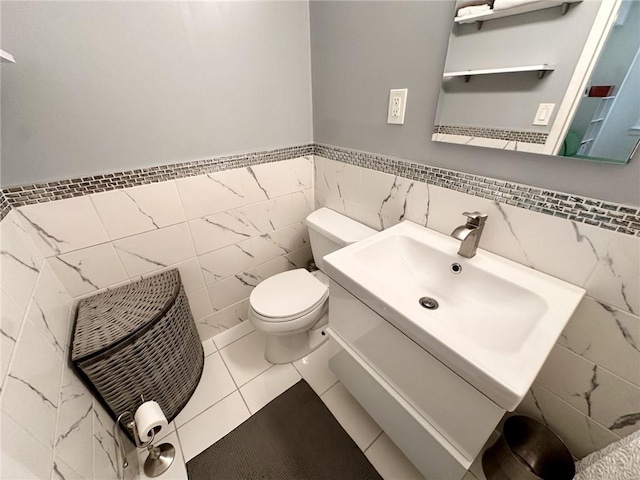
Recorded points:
(490, 320)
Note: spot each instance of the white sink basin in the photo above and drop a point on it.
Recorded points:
(496, 321)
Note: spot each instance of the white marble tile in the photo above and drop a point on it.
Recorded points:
(200, 304)
(74, 430)
(22, 456)
(616, 279)
(222, 320)
(140, 209)
(190, 274)
(555, 246)
(63, 226)
(11, 318)
(215, 384)
(446, 207)
(209, 347)
(151, 251)
(20, 264)
(229, 336)
(245, 357)
(268, 385)
(302, 204)
(336, 185)
(7, 346)
(390, 462)
(217, 192)
(384, 194)
(227, 261)
(30, 394)
(268, 215)
(177, 470)
(280, 178)
(606, 398)
(106, 464)
(232, 290)
(220, 230)
(300, 258)
(581, 434)
(62, 471)
(350, 414)
(220, 419)
(314, 368)
(607, 336)
(49, 310)
(88, 270)
(418, 203)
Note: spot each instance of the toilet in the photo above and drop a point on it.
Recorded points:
(291, 308)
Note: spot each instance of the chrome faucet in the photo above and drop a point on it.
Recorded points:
(469, 234)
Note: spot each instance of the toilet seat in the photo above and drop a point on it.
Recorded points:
(287, 296)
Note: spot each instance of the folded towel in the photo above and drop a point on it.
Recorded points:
(471, 3)
(463, 12)
(620, 460)
(504, 4)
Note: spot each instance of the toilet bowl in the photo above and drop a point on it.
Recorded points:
(291, 308)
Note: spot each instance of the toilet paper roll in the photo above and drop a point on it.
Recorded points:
(149, 418)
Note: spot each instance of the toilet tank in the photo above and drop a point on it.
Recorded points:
(330, 231)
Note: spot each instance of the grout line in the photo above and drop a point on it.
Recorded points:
(374, 441)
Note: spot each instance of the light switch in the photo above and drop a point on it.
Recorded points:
(544, 113)
(397, 106)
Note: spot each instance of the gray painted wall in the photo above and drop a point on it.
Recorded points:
(109, 86)
(536, 38)
(360, 50)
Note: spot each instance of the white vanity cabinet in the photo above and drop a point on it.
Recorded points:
(435, 417)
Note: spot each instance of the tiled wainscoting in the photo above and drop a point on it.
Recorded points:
(224, 231)
(51, 426)
(228, 230)
(589, 389)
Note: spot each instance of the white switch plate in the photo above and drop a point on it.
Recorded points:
(544, 113)
(397, 106)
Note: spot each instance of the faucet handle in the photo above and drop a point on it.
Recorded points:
(476, 218)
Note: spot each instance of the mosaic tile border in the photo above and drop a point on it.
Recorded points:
(610, 216)
(607, 215)
(495, 133)
(5, 207)
(75, 187)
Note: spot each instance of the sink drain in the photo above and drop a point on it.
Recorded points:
(429, 303)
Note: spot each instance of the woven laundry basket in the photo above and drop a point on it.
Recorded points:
(139, 339)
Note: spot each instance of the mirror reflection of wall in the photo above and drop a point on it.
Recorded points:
(606, 125)
(510, 73)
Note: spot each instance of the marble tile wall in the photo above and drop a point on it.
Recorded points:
(589, 389)
(225, 231)
(52, 427)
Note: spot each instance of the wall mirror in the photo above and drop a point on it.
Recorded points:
(543, 76)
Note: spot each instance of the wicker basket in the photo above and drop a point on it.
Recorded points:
(139, 339)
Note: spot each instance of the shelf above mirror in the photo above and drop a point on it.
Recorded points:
(507, 12)
(542, 69)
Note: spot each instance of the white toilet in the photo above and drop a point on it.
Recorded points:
(292, 307)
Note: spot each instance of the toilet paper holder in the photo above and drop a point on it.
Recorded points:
(160, 457)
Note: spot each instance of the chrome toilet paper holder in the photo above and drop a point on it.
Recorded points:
(160, 457)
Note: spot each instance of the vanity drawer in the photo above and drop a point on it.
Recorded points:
(462, 415)
(420, 442)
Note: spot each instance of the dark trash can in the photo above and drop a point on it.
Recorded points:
(527, 450)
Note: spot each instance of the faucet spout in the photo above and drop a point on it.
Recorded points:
(469, 234)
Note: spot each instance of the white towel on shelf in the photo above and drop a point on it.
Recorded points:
(619, 461)
(505, 4)
(463, 12)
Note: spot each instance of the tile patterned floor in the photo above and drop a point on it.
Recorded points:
(237, 382)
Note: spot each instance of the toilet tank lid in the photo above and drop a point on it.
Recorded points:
(342, 230)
